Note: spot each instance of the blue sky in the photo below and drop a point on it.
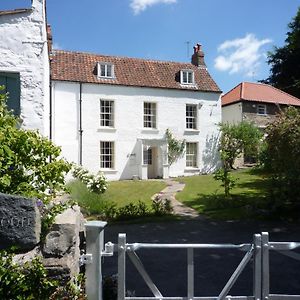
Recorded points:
(235, 34)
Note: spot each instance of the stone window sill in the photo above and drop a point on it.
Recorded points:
(191, 131)
(106, 129)
(150, 130)
(191, 170)
(108, 171)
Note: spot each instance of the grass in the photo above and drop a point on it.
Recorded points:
(206, 195)
(119, 192)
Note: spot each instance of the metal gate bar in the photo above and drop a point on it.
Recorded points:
(280, 247)
(259, 250)
(236, 274)
(190, 273)
(130, 249)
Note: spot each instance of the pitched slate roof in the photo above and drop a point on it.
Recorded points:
(259, 92)
(81, 67)
(14, 11)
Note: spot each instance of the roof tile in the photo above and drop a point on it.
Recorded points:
(81, 67)
(259, 92)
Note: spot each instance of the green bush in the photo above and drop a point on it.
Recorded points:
(282, 157)
(30, 281)
(95, 183)
(161, 206)
(30, 165)
(27, 282)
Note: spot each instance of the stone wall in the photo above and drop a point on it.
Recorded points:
(20, 226)
(23, 50)
(61, 249)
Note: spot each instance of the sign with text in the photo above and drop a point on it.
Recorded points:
(20, 222)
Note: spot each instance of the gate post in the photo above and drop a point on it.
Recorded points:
(265, 266)
(121, 266)
(257, 270)
(93, 268)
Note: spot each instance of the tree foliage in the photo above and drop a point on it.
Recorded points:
(29, 163)
(285, 61)
(282, 156)
(235, 139)
(175, 147)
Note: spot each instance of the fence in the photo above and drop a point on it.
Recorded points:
(258, 251)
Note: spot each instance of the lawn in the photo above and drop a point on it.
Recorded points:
(119, 192)
(206, 195)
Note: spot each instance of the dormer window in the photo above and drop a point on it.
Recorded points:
(105, 70)
(187, 77)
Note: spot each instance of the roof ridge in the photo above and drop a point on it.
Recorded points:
(232, 89)
(274, 88)
(242, 90)
(283, 92)
(121, 57)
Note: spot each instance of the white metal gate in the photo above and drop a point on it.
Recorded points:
(258, 251)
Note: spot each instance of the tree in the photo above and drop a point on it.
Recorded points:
(285, 61)
(235, 139)
(29, 163)
(282, 157)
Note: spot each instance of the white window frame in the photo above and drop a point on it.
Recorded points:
(190, 77)
(191, 120)
(262, 107)
(191, 155)
(107, 113)
(107, 155)
(106, 67)
(147, 156)
(150, 117)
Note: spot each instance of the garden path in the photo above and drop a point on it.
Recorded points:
(169, 193)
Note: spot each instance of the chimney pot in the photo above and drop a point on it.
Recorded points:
(198, 57)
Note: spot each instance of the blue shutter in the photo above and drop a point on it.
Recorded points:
(11, 81)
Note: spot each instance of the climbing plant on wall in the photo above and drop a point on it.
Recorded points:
(175, 147)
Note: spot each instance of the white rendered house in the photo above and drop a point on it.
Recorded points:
(24, 64)
(111, 114)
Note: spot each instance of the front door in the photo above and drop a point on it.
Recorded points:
(152, 162)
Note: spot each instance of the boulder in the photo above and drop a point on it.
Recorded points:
(61, 249)
(20, 222)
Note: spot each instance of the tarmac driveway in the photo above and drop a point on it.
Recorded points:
(168, 267)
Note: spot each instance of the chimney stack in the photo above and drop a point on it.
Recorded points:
(198, 57)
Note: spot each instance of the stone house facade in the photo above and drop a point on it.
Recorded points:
(255, 102)
(24, 64)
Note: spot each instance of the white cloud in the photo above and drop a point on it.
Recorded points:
(140, 5)
(57, 46)
(241, 55)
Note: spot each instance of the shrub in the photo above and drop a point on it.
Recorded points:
(30, 281)
(282, 157)
(161, 206)
(30, 164)
(95, 183)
